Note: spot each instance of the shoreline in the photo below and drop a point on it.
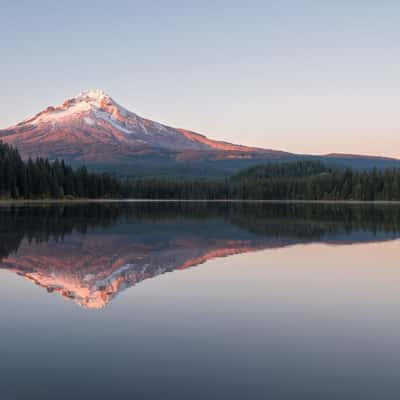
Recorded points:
(87, 201)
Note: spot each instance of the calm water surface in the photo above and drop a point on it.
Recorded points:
(199, 301)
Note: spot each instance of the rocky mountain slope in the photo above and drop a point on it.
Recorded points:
(92, 128)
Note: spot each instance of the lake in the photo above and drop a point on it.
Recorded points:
(158, 300)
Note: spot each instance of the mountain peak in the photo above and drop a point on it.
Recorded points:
(93, 127)
(93, 95)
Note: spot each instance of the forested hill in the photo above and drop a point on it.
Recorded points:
(40, 178)
(301, 180)
(292, 169)
(313, 180)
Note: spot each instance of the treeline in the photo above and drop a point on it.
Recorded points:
(40, 178)
(301, 180)
(321, 184)
(292, 169)
(373, 185)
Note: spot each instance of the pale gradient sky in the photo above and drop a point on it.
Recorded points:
(297, 75)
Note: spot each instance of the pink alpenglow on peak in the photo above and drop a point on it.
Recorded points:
(93, 127)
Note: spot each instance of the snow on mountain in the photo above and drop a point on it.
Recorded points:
(94, 118)
(92, 128)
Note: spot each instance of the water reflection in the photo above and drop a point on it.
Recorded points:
(92, 252)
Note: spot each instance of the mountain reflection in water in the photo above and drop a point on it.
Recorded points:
(91, 252)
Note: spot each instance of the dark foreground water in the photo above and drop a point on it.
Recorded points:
(199, 301)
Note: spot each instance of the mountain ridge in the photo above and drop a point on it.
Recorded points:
(93, 129)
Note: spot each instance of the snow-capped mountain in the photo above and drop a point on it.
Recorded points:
(81, 126)
(94, 129)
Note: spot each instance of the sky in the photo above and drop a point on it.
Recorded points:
(298, 75)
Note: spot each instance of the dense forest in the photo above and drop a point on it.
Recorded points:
(298, 169)
(40, 178)
(300, 180)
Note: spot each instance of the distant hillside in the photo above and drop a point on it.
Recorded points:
(296, 169)
(92, 129)
(299, 180)
(314, 180)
